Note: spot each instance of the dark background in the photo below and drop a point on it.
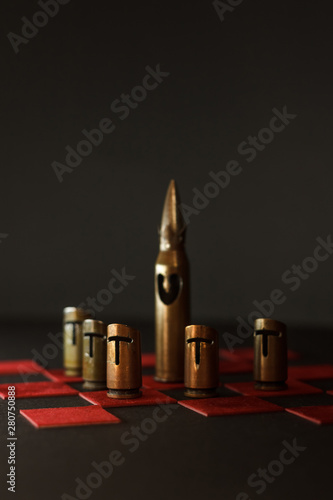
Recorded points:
(225, 79)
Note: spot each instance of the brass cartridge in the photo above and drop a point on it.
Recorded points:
(270, 366)
(124, 372)
(72, 340)
(201, 361)
(94, 354)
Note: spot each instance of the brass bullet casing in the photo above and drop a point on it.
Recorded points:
(201, 361)
(72, 340)
(94, 354)
(124, 372)
(270, 369)
(172, 292)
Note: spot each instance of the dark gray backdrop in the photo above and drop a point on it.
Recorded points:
(225, 79)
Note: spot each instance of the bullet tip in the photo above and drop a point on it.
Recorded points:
(172, 229)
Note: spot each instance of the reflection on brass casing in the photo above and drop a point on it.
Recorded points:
(201, 361)
(172, 294)
(124, 373)
(72, 339)
(94, 354)
(270, 368)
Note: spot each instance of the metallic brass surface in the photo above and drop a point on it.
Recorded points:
(72, 340)
(94, 354)
(172, 295)
(201, 361)
(270, 368)
(124, 373)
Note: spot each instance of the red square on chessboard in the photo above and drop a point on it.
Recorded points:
(316, 414)
(17, 366)
(237, 366)
(149, 397)
(58, 375)
(310, 372)
(148, 360)
(295, 388)
(239, 405)
(65, 417)
(38, 390)
(149, 382)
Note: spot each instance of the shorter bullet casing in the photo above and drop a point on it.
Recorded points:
(201, 361)
(94, 354)
(124, 372)
(72, 340)
(270, 368)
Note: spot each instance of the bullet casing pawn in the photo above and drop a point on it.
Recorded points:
(94, 354)
(270, 368)
(124, 371)
(73, 318)
(201, 361)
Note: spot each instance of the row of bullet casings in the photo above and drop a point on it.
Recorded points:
(270, 362)
(94, 350)
(113, 352)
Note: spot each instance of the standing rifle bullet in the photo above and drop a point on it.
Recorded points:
(172, 309)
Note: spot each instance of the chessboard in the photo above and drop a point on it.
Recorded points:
(70, 443)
